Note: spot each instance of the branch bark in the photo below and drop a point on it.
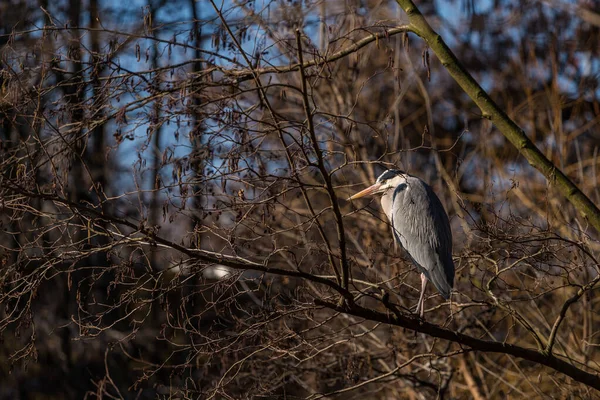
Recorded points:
(510, 130)
(418, 325)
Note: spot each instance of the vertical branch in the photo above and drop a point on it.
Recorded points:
(98, 133)
(98, 166)
(153, 212)
(198, 123)
(472, 384)
(199, 162)
(321, 165)
(323, 28)
(76, 187)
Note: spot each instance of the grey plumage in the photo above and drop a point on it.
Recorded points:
(419, 225)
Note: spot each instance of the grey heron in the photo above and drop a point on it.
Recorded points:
(420, 226)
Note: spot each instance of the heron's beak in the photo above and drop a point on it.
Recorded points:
(368, 191)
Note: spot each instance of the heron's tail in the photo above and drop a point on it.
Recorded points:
(443, 278)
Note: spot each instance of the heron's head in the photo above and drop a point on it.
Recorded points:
(386, 181)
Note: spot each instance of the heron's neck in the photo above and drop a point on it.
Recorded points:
(386, 203)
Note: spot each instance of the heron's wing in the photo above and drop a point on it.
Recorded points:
(420, 224)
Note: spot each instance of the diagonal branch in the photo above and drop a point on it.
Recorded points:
(490, 110)
(244, 74)
(563, 311)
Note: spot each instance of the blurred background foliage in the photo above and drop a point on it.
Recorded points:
(134, 133)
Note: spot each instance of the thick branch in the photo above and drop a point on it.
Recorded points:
(490, 110)
(415, 324)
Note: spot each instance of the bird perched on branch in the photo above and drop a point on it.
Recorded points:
(420, 225)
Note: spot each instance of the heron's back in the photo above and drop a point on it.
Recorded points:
(421, 226)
